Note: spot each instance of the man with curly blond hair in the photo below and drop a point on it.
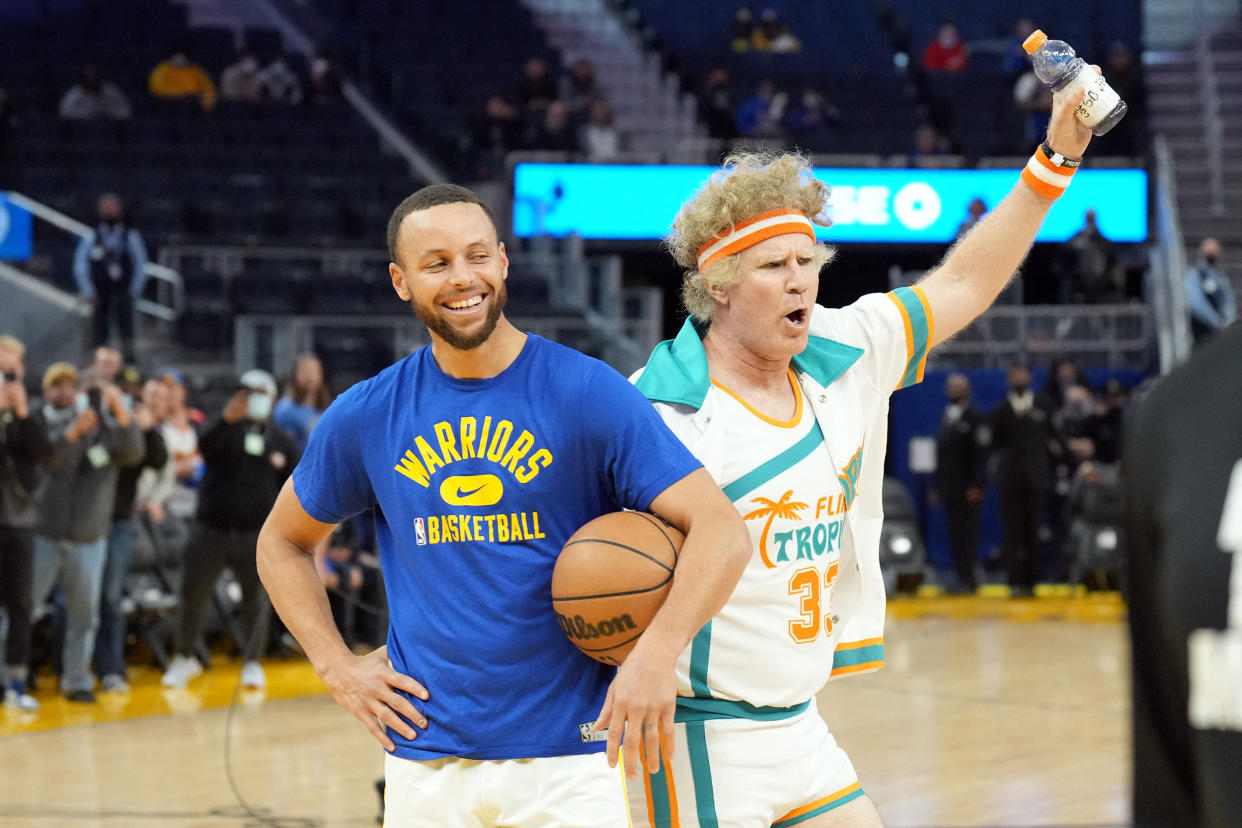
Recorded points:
(785, 402)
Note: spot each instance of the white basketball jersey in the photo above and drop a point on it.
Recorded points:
(810, 604)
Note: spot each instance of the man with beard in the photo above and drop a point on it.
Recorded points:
(480, 455)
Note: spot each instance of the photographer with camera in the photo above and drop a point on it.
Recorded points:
(23, 446)
(92, 437)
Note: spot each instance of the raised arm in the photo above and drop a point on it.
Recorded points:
(977, 269)
(364, 685)
(711, 562)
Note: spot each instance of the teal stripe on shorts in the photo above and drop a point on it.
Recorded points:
(701, 772)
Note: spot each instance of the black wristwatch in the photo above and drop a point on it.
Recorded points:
(1057, 158)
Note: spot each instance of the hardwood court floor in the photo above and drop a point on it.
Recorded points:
(988, 713)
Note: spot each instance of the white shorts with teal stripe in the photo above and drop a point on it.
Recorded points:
(738, 766)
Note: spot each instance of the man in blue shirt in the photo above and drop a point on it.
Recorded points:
(480, 455)
(110, 269)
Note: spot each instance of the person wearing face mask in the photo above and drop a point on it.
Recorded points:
(110, 269)
(1023, 441)
(961, 469)
(246, 461)
(1209, 294)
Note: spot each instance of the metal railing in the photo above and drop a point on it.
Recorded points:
(1117, 336)
(1166, 277)
(170, 289)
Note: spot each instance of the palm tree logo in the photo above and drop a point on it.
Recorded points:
(781, 508)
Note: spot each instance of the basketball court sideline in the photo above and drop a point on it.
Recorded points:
(989, 712)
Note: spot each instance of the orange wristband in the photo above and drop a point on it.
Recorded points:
(1046, 178)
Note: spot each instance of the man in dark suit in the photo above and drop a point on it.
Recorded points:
(961, 467)
(1023, 438)
(1183, 479)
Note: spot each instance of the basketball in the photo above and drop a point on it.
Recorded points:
(610, 580)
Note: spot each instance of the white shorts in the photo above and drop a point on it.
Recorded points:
(747, 773)
(578, 791)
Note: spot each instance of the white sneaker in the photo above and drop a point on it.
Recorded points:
(181, 670)
(21, 701)
(252, 675)
(113, 683)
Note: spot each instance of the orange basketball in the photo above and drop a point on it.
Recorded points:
(610, 580)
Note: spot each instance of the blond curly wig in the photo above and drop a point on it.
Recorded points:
(749, 184)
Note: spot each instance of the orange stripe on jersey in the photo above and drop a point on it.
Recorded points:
(790, 423)
(931, 326)
(866, 666)
(905, 319)
(854, 645)
(819, 803)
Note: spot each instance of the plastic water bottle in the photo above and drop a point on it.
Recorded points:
(1060, 69)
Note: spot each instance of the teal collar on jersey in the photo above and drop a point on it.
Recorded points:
(677, 370)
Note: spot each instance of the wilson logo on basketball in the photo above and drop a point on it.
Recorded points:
(582, 630)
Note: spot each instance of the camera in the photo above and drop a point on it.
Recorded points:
(94, 399)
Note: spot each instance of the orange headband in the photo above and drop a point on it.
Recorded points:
(749, 233)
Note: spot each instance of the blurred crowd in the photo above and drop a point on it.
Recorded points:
(129, 517)
(569, 114)
(806, 116)
(1053, 454)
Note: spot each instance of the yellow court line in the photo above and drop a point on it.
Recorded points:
(1094, 607)
(214, 689)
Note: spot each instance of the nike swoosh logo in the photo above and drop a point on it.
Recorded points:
(463, 493)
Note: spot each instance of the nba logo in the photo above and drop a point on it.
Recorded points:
(420, 533)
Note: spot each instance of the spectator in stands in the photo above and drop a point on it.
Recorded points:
(23, 448)
(325, 81)
(93, 98)
(280, 84)
(579, 89)
(110, 642)
(716, 106)
(1063, 375)
(247, 459)
(946, 53)
(498, 131)
(343, 578)
(1209, 295)
(110, 268)
(306, 398)
(1087, 267)
(743, 28)
(771, 35)
(961, 475)
(927, 141)
(89, 447)
(600, 138)
(1106, 425)
(177, 78)
(1033, 101)
(106, 363)
(1022, 440)
(536, 90)
(1014, 59)
(976, 210)
(813, 121)
(554, 132)
(241, 81)
(761, 115)
(180, 430)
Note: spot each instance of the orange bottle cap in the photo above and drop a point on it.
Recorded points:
(1033, 42)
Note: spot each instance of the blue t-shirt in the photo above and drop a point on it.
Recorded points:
(477, 485)
(296, 418)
